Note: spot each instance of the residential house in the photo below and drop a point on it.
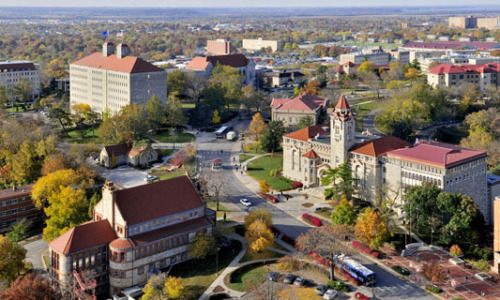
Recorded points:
(123, 154)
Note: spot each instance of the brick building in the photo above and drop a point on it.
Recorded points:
(16, 205)
(135, 233)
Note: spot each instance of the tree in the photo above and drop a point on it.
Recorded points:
(18, 231)
(175, 287)
(341, 179)
(259, 236)
(228, 80)
(4, 98)
(216, 117)
(257, 126)
(311, 88)
(175, 116)
(434, 273)
(366, 67)
(263, 186)
(190, 149)
(260, 214)
(305, 121)
(412, 74)
(154, 289)
(24, 91)
(53, 163)
(203, 244)
(11, 259)
(344, 213)
(129, 125)
(421, 203)
(62, 116)
(176, 82)
(195, 84)
(30, 287)
(155, 112)
(371, 229)
(271, 139)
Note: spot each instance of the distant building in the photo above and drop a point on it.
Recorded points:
(218, 47)
(258, 44)
(128, 155)
(135, 233)
(421, 50)
(16, 205)
(445, 75)
(291, 110)
(474, 22)
(109, 81)
(63, 84)
(13, 72)
(496, 235)
(493, 191)
(282, 78)
(457, 59)
(375, 55)
(205, 65)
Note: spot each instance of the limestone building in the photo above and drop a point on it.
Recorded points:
(16, 205)
(376, 56)
(134, 234)
(110, 81)
(383, 167)
(496, 235)
(258, 44)
(448, 75)
(13, 72)
(205, 65)
(290, 111)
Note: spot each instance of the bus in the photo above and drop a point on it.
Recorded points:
(221, 132)
(355, 269)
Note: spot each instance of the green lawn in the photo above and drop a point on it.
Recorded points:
(254, 255)
(361, 111)
(325, 212)
(245, 157)
(259, 170)
(163, 174)
(167, 152)
(248, 277)
(213, 205)
(180, 137)
(254, 148)
(75, 136)
(199, 274)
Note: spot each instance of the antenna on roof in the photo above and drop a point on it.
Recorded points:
(416, 142)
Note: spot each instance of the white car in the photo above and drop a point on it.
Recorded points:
(151, 178)
(330, 294)
(245, 202)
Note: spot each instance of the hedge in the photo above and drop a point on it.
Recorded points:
(401, 270)
(312, 219)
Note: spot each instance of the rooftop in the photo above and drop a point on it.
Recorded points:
(445, 45)
(233, 60)
(127, 64)
(459, 69)
(19, 191)
(17, 65)
(303, 102)
(381, 146)
(307, 133)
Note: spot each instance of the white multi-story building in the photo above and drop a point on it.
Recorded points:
(375, 55)
(107, 81)
(483, 75)
(257, 44)
(13, 72)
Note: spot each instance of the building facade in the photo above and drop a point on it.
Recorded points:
(291, 110)
(135, 155)
(142, 231)
(205, 65)
(107, 81)
(474, 22)
(13, 73)
(383, 167)
(258, 44)
(496, 235)
(16, 205)
(218, 47)
(482, 75)
(376, 56)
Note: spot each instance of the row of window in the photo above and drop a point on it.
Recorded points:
(151, 267)
(160, 222)
(17, 70)
(15, 201)
(420, 177)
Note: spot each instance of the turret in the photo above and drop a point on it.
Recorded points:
(122, 50)
(342, 128)
(108, 48)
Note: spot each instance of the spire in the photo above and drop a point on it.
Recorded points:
(342, 104)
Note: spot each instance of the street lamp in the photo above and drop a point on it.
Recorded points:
(217, 261)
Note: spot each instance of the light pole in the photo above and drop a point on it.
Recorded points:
(217, 261)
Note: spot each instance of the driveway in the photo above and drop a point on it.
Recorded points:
(124, 176)
(34, 254)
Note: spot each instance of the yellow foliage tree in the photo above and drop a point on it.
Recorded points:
(81, 109)
(11, 259)
(260, 214)
(263, 186)
(259, 236)
(366, 67)
(174, 287)
(371, 229)
(257, 126)
(412, 74)
(190, 149)
(216, 117)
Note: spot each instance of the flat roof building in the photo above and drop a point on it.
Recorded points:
(14, 72)
(16, 205)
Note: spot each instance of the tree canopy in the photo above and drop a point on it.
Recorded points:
(271, 139)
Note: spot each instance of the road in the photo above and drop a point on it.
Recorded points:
(34, 254)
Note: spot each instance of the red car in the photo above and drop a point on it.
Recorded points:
(359, 295)
(271, 198)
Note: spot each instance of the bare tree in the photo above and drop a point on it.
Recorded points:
(215, 184)
(195, 85)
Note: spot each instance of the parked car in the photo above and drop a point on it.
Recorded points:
(245, 202)
(290, 278)
(151, 178)
(330, 294)
(271, 198)
(299, 281)
(361, 296)
(273, 276)
(321, 289)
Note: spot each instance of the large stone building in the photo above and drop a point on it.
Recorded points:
(205, 65)
(421, 50)
(445, 75)
(218, 47)
(474, 22)
(291, 110)
(384, 166)
(16, 205)
(109, 81)
(258, 44)
(375, 55)
(13, 73)
(134, 233)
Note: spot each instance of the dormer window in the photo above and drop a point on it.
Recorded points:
(343, 111)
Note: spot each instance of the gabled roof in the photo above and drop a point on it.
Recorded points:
(342, 103)
(198, 63)
(127, 64)
(303, 102)
(155, 200)
(307, 133)
(437, 154)
(311, 154)
(381, 146)
(233, 60)
(83, 237)
(19, 191)
(118, 150)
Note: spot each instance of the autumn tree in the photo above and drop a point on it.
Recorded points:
(155, 288)
(11, 259)
(434, 273)
(176, 82)
(227, 80)
(412, 74)
(305, 121)
(155, 112)
(19, 231)
(271, 139)
(129, 125)
(263, 186)
(62, 116)
(53, 163)
(344, 213)
(259, 236)
(366, 67)
(371, 229)
(203, 244)
(257, 126)
(263, 215)
(30, 287)
(190, 149)
(174, 287)
(216, 117)
(311, 88)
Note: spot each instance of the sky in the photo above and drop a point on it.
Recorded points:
(237, 3)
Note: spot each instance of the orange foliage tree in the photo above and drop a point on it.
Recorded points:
(371, 229)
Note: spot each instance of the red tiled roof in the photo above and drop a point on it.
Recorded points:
(459, 69)
(83, 237)
(307, 133)
(233, 60)
(381, 146)
(128, 64)
(310, 154)
(118, 150)
(164, 232)
(198, 63)
(17, 66)
(437, 154)
(303, 102)
(121, 244)
(20, 191)
(162, 198)
(451, 45)
(342, 104)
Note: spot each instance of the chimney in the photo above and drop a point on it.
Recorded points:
(108, 205)
(108, 48)
(122, 50)
(13, 188)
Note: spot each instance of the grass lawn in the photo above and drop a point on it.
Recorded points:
(199, 274)
(244, 157)
(46, 260)
(254, 148)
(361, 111)
(248, 277)
(254, 255)
(180, 137)
(162, 174)
(222, 209)
(75, 137)
(325, 212)
(259, 170)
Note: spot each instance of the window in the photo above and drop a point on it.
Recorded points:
(140, 270)
(122, 274)
(122, 256)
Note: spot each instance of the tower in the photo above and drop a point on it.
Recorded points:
(342, 131)
(108, 48)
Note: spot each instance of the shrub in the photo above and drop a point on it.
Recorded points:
(375, 254)
(328, 193)
(312, 219)
(481, 253)
(456, 251)
(338, 286)
(401, 270)
(288, 263)
(433, 289)
(482, 264)
(362, 247)
(296, 184)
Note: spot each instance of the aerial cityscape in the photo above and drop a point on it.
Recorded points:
(263, 150)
